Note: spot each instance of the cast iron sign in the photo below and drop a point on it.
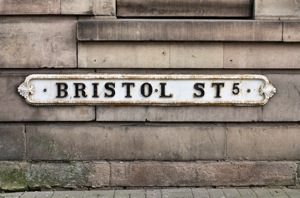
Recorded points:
(109, 89)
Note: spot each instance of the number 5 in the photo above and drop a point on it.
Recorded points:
(235, 89)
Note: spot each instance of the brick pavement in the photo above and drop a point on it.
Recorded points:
(165, 193)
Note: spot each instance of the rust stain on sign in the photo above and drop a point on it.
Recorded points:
(163, 90)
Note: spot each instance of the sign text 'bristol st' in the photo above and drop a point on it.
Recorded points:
(98, 89)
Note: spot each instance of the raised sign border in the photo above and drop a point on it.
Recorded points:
(268, 90)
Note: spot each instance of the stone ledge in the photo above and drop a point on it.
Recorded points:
(203, 174)
(179, 30)
(22, 175)
(184, 8)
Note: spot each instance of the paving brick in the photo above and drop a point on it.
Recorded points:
(262, 192)
(191, 8)
(246, 192)
(179, 30)
(38, 42)
(68, 194)
(278, 193)
(125, 142)
(293, 193)
(215, 193)
(203, 173)
(29, 7)
(282, 10)
(153, 193)
(88, 7)
(129, 194)
(261, 55)
(179, 192)
(39, 195)
(98, 194)
(200, 192)
(150, 55)
(12, 142)
(231, 193)
(286, 103)
(14, 108)
(263, 142)
(68, 175)
(291, 31)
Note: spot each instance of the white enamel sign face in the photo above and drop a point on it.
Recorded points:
(94, 89)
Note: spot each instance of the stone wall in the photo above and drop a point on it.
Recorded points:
(149, 146)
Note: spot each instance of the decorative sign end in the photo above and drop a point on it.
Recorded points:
(268, 90)
(25, 89)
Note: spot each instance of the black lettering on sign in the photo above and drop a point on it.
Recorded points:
(61, 90)
(149, 89)
(110, 87)
(235, 89)
(95, 88)
(163, 91)
(80, 87)
(218, 89)
(199, 87)
(128, 85)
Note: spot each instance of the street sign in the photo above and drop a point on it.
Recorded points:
(163, 90)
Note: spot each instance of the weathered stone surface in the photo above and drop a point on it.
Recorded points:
(261, 55)
(29, 7)
(89, 7)
(150, 55)
(12, 142)
(285, 105)
(13, 106)
(179, 30)
(35, 42)
(291, 32)
(21, 175)
(203, 173)
(126, 142)
(178, 114)
(191, 8)
(263, 142)
(282, 10)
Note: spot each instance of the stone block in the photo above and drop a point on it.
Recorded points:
(263, 142)
(179, 30)
(89, 7)
(179, 114)
(177, 192)
(38, 42)
(261, 55)
(285, 105)
(191, 8)
(291, 31)
(13, 106)
(21, 175)
(150, 55)
(126, 142)
(29, 7)
(281, 10)
(12, 142)
(203, 173)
